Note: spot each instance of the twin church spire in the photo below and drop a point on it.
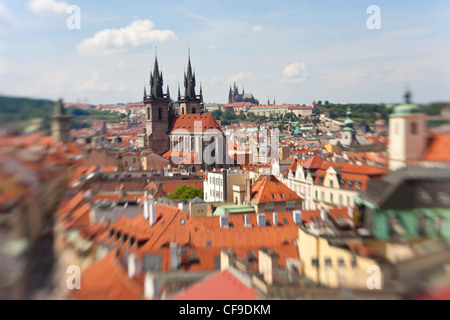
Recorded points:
(157, 82)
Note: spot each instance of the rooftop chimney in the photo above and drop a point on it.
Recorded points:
(146, 209)
(152, 288)
(133, 265)
(323, 215)
(175, 256)
(268, 265)
(248, 190)
(225, 185)
(152, 213)
(183, 206)
(350, 211)
(227, 258)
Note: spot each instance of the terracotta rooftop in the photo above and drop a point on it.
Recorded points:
(438, 148)
(107, 279)
(195, 123)
(223, 285)
(270, 189)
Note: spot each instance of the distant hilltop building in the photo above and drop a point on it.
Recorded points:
(235, 96)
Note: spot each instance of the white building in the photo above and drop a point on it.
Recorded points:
(225, 186)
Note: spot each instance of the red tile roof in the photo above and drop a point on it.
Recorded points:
(195, 123)
(438, 148)
(224, 285)
(108, 280)
(269, 189)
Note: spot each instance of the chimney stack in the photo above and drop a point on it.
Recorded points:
(175, 256)
(227, 259)
(351, 212)
(225, 185)
(152, 213)
(248, 190)
(323, 215)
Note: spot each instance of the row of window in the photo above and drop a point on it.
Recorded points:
(271, 207)
(328, 262)
(215, 180)
(217, 194)
(331, 198)
(342, 182)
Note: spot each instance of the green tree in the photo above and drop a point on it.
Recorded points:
(186, 193)
(217, 114)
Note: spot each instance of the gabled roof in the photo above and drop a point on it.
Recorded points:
(222, 285)
(315, 162)
(107, 279)
(195, 123)
(269, 189)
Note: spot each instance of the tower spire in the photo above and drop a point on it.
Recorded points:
(156, 80)
(189, 79)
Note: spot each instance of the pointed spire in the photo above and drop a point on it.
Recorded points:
(168, 92)
(201, 92)
(179, 95)
(189, 80)
(145, 91)
(156, 81)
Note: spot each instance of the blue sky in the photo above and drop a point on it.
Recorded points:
(293, 51)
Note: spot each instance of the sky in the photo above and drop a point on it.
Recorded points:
(293, 51)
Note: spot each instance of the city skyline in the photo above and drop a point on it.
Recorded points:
(295, 52)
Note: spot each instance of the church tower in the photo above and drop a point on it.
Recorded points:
(60, 127)
(158, 113)
(190, 103)
(348, 132)
(407, 135)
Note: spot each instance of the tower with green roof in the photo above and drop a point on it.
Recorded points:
(407, 135)
(348, 132)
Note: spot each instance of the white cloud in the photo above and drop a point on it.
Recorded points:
(241, 75)
(6, 17)
(138, 33)
(257, 28)
(295, 72)
(93, 84)
(211, 47)
(44, 7)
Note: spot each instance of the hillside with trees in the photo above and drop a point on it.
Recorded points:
(17, 112)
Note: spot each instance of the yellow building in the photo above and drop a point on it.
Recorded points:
(331, 148)
(334, 267)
